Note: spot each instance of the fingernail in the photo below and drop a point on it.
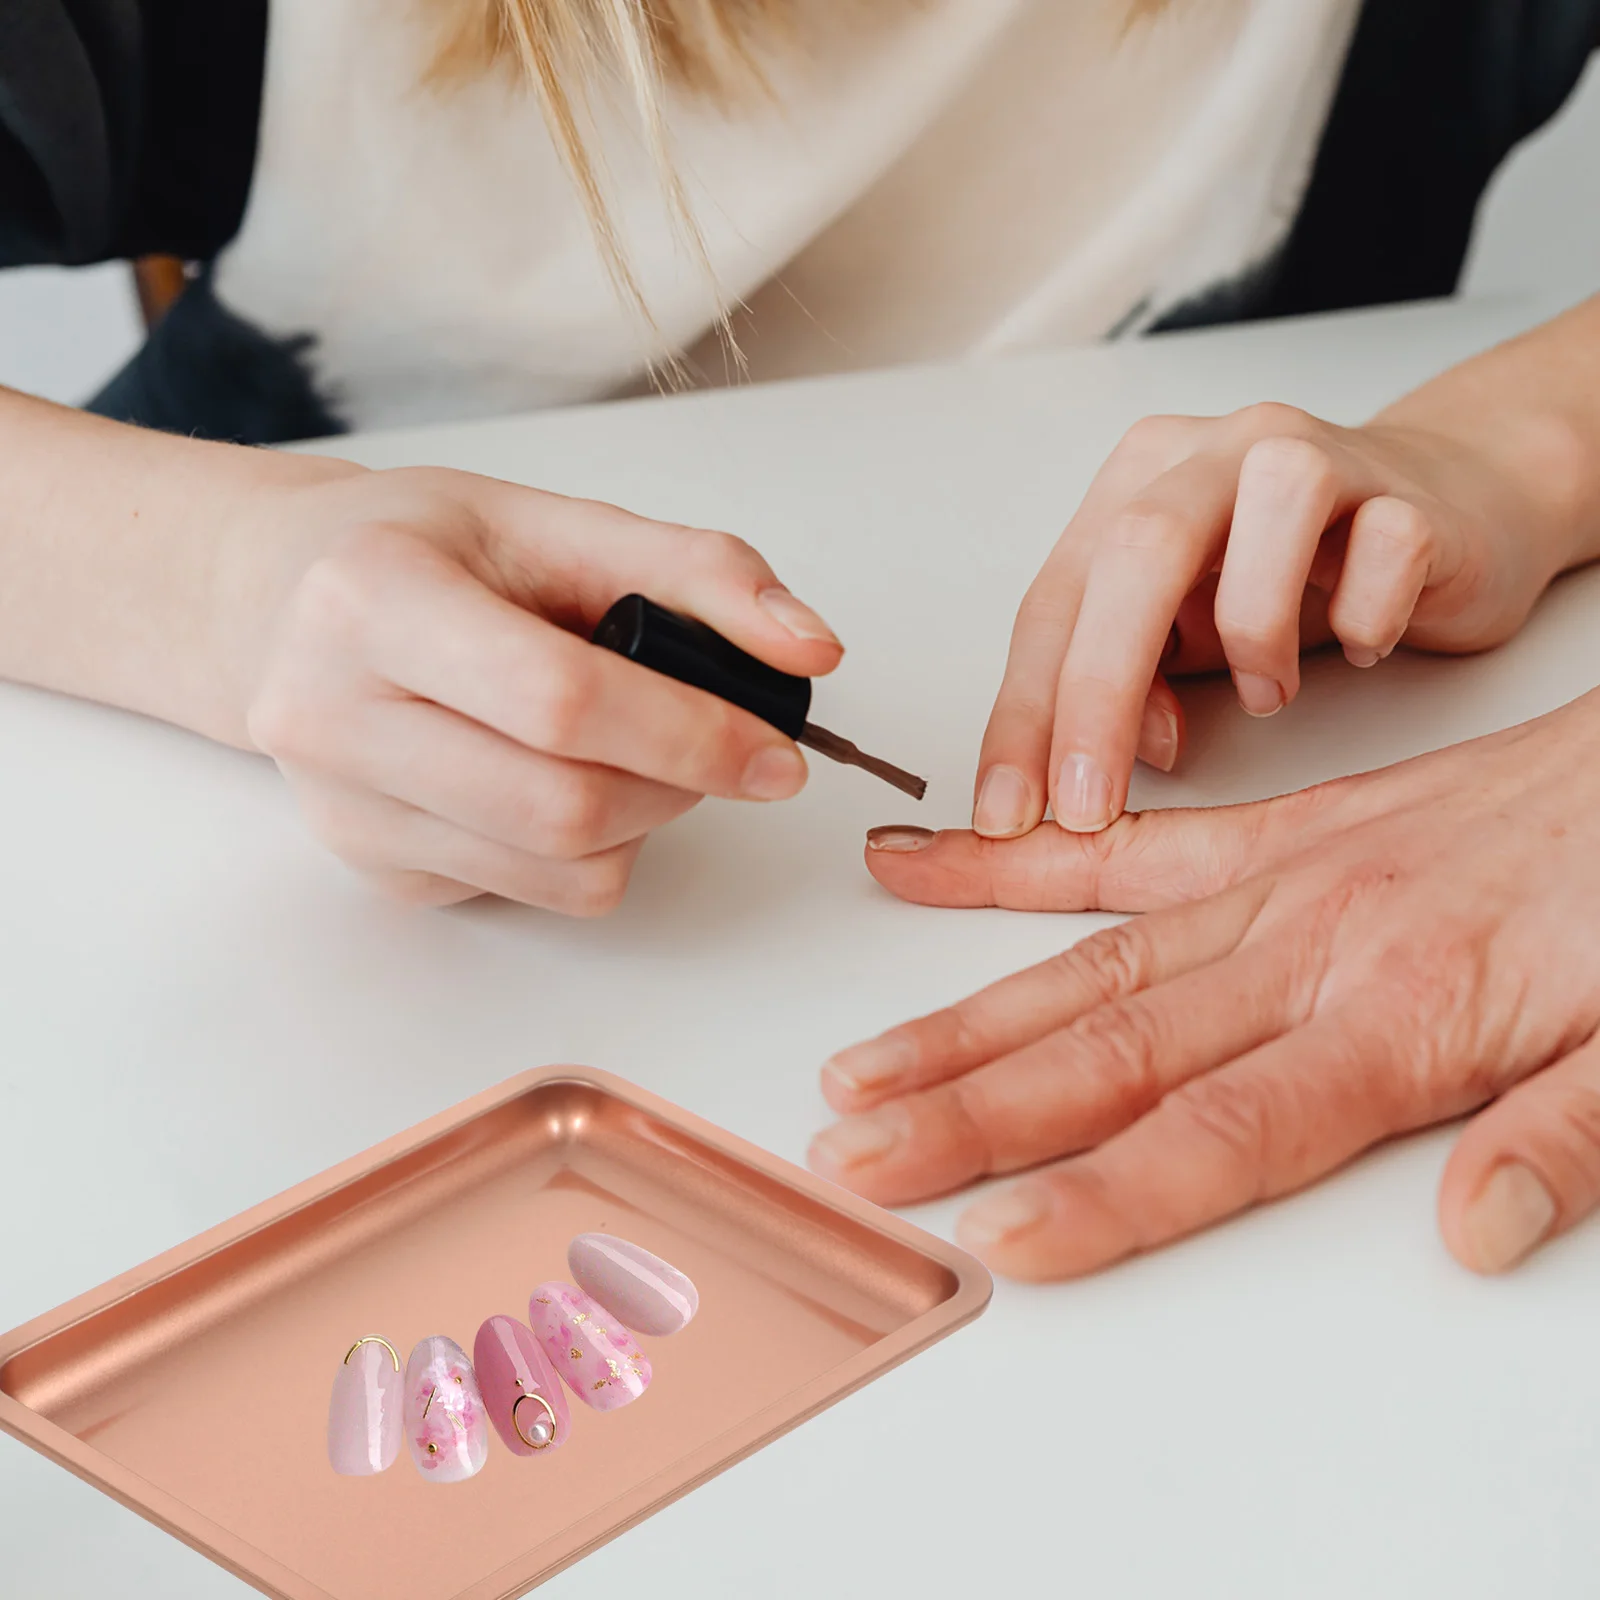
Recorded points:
(900, 841)
(774, 774)
(1158, 737)
(444, 1417)
(854, 1141)
(515, 1376)
(642, 1291)
(871, 1065)
(1261, 697)
(997, 1217)
(796, 617)
(1359, 657)
(1083, 795)
(1002, 807)
(1511, 1214)
(596, 1357)
(364, 1415)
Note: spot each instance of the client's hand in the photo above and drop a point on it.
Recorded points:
(1231, 542)
(1317, 973)
(414, 655)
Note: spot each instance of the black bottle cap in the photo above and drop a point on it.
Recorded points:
(682, 648)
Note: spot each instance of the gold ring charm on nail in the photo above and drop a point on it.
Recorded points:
(516, 1421)
(372, 1338)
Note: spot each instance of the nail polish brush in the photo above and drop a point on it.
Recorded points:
(683, 648)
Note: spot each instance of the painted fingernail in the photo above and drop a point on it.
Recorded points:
(1003, 801)
(871, 1065)
(521, 1392)
(1002, 1215)
(774, 774)
(364, 1414)
(900, 841)
(640, 1290)
(445, 1425)
(1083, 795)
(854, 1141)
(1158, 737)
(796, 617)
(1261, 697)
(597, 1358)
(1512, 1213)
(1358, 656)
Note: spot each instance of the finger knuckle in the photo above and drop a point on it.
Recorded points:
(1248, 636)
(1240, 1117)
(282, 723)
(419, 889)
(596, 888)
(1156, 436)
(1146, 529)
(1119, 1048)
(1290, 459)
(1268, 417)
(1111, 963)
(712, 550)
(569, 817)
(1576, 1125)
(561, 705)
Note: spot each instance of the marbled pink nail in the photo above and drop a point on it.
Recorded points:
(642, 1291)
(364, 1413)
(446, 1428)
(515, 1375)
(591, 1350)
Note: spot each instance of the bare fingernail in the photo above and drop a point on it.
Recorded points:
(1261, 697)
(1003, 803)
(796, 617)
(1002, 1215)
(871, 1065)
(1512, 1213)
(897, 841)
(857, 1140)
(1359, 657)
(774, 774)
(1083, 795)
(1158, 737)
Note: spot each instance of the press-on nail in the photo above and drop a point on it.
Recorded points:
(1083, 795)
(597, 1358)
(795, 616)
(900, 841)
(1512, 1213)
(1158, 737)
(1003, 802)
(640, 1290)
(1261, 697)
(515, 1376)
(445, 1426)
(774, 774)
(364, 1420)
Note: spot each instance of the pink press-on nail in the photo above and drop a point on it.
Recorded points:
(445, 1426)
(364, 1412)
(521, 1391)
(642, 1291)
(594, 1354)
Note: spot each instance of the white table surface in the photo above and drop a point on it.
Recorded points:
(197, 1009)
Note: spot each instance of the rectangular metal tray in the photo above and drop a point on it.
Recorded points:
(195, 1389)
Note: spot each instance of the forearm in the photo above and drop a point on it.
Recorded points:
(112, 547)
(1531, 408)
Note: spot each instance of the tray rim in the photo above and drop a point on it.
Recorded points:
(973, 1289)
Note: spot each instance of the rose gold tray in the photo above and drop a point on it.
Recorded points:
(195, 1388)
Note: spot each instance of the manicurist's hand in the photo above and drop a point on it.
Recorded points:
(411, 647)
(1315, 974)
(1211, 543)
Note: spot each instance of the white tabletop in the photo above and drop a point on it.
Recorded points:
(198, 1009)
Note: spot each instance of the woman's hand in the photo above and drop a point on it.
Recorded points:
(411, 648)
(1317, 973)
(1232, 542)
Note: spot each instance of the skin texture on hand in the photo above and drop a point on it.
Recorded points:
(1233, 542)
(1314, 974)
(411, 647)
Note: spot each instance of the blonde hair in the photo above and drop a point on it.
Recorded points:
(566, 49)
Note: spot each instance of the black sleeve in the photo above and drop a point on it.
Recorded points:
(127, 127)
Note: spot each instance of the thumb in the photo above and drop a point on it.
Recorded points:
(1143, 862)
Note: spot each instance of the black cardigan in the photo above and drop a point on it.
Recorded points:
(128, 127)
